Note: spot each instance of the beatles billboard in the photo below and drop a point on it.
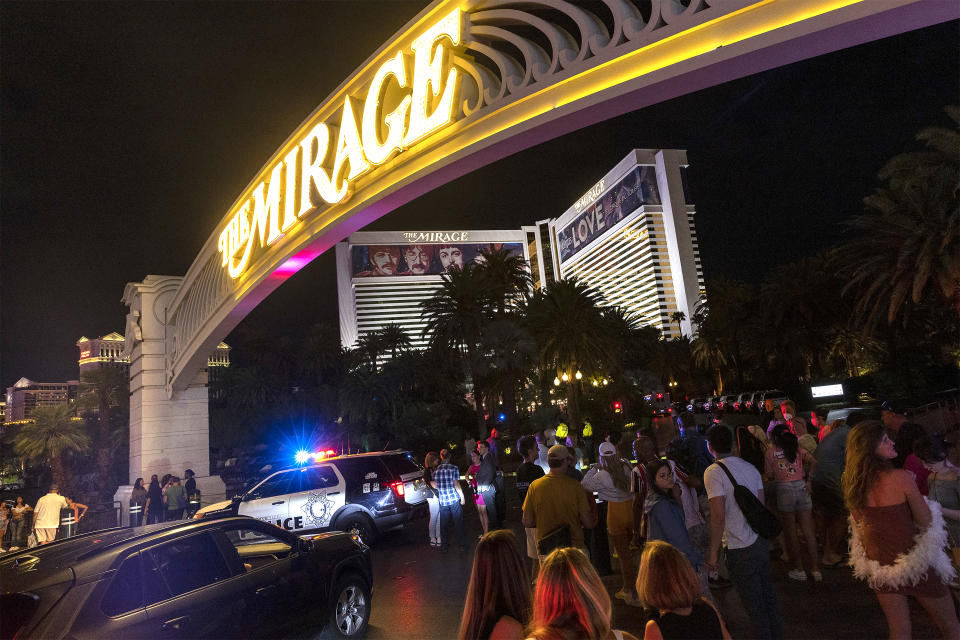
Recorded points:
(637, 188)
(420, 256)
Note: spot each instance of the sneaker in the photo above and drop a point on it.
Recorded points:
(817, 576)
(797, 574)
(718, 582)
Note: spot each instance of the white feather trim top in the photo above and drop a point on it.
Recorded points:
(928, 552)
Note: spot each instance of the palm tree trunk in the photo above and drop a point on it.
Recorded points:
(573, 408)
(57, 468)
(477, 393)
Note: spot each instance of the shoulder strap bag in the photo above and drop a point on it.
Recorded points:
(760, 519)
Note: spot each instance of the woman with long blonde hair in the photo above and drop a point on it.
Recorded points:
(898, 537)
(498, 598)
(570, 601)
(610, 479)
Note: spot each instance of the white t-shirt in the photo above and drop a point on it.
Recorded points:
(600, 481)
(542, 457)
(46, 515)
(736, 532)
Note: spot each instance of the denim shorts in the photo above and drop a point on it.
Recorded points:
(793, 496)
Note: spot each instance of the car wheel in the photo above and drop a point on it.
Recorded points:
(360, 525)
(349, 607)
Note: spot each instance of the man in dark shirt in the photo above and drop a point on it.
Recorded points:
(190, 490)
(486, 483)
(527, 472)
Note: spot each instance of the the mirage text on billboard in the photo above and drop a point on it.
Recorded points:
(637, 188)
(420, 258)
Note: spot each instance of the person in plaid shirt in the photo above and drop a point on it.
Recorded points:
(446, 480)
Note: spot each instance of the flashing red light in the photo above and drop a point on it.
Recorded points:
(659, 396)
(397, 489)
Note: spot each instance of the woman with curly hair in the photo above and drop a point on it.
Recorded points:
(498, 598)
(570, 601)
(898, 537)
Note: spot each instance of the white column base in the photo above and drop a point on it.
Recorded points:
(122, 496)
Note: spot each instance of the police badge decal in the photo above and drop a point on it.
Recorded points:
(318, 509)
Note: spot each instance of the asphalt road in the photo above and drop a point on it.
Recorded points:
(419, 593)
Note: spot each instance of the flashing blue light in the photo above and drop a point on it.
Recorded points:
(502, 417)
(302, 456)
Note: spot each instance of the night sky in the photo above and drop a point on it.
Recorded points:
(128, 129)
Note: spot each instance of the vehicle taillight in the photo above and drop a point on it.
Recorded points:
(397, 489)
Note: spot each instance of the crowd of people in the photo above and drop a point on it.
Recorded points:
(164, 499)
(54, 517)
(697, 512)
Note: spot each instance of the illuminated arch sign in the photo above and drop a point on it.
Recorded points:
(411, 96)
(467, 82)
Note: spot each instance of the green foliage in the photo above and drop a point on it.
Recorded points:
(52, 435)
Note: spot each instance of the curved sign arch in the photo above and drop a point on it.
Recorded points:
(466, 83)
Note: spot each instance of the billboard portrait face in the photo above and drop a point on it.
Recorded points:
(450, 256)
(384, 260)
(417, 257)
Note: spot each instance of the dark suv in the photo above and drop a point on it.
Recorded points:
(366, 494)
(217, 578)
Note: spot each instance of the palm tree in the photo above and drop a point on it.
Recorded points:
(910, 235)
(455, 316)
(107, 390)
(678, 317)
(566, 321)
(509, 352)
(709, 355)
(369, 347)
(393, 339)
(505, 276)
(52, 434)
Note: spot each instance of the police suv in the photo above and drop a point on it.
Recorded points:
(366, 494)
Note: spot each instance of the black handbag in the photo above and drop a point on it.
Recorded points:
(558, 538)
(760, 519)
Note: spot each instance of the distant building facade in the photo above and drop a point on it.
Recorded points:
(26, 395)
(632, 237)
(105, 351)
(384, 276)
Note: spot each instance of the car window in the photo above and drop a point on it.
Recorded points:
(184, 565)
(318, 478)
(125, 592)
(358, 471)
(400, 465)
(276, 485)
(255, 547)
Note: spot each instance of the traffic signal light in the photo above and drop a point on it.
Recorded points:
(617, 407)
(659, 396)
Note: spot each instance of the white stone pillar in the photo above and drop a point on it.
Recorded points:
(167, 434)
